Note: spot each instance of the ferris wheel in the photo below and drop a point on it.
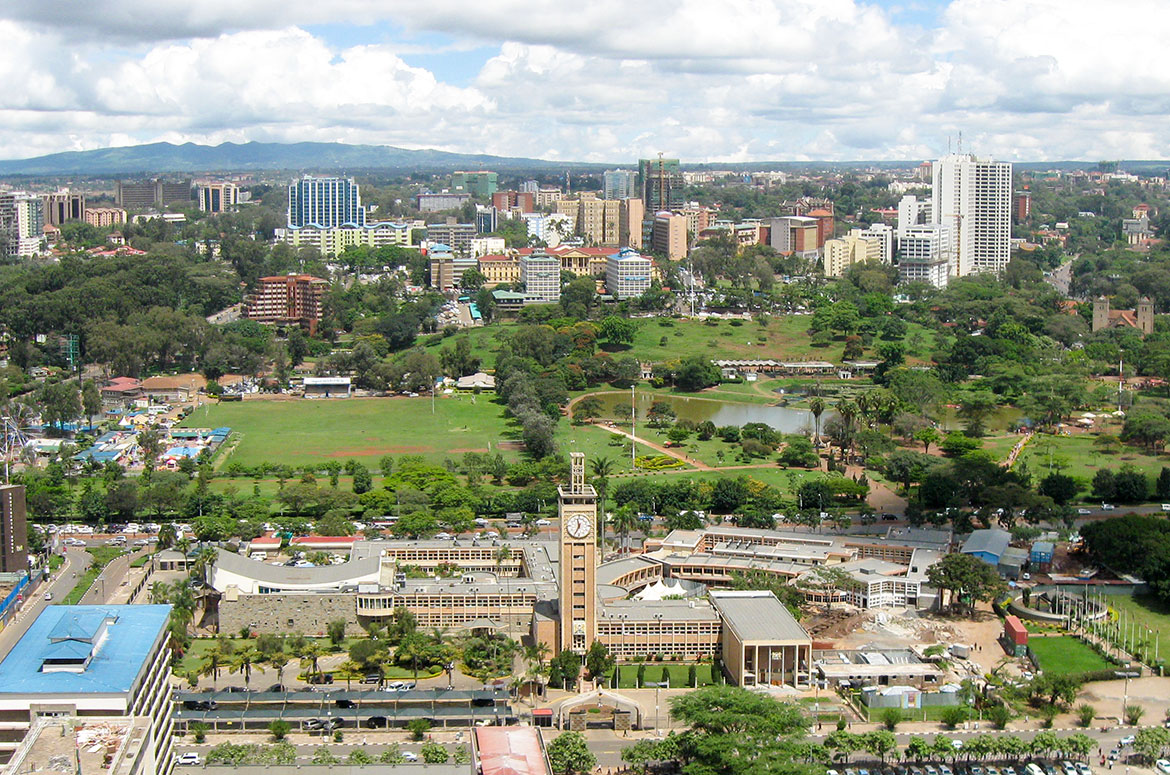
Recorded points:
(15, 420)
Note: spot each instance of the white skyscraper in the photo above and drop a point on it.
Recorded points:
(974, 198)
(925, 254)
(912, 211)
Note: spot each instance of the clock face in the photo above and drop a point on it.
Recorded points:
(578, 526)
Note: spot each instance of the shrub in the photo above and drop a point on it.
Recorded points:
(433, 753)
(891, 717)
(953, 716)
(279, 729)
(418, 728)
(1085, 714)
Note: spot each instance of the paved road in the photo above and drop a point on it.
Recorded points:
(76, 561)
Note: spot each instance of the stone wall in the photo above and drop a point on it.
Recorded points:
(282, 614)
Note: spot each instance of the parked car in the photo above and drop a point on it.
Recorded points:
(346, 704)
(1163, 766)
(312, 724)
(372, 678)
(321, 678)
(1127, 740)
(190, 757)
(543, 523)
(1083, 769)
(376, 722)
(409, 756)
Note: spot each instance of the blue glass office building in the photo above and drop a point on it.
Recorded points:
(325, 203)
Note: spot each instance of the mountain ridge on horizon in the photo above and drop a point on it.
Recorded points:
(164, 157)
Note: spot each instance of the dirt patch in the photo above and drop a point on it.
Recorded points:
(371, 451)
(461, 450)
(510, 445)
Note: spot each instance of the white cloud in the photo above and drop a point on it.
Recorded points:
(607, 80)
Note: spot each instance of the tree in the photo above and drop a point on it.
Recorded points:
(324, 756)
(891, 718)
(953, 716)
(999, 715)
(816, 405)
(243, 660)
(418, 728)
(1059, 487)
(433, 753)
(569, 754)
(91, 400)
(598, 660)
(879, 742)
(917, 748)
(1133, 714)
(1085, 714)
(927, 436)
(335, 629)
(617, 330)
(967, 578)
(279, 729)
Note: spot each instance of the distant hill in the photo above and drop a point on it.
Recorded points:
(156, 158)
(189, 157)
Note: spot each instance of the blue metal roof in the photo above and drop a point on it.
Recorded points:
(119, 658)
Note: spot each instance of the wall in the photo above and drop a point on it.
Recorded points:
(309, 613)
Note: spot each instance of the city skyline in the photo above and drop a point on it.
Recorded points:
(740, 81)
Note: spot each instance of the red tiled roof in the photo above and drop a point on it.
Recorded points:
(510, 751)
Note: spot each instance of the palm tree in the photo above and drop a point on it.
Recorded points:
(349, 670)
(243, 660)
(213, 660)
(205, 561)
(279, 660)
(623, 520)
(310, 654)
(817, 406)
(412, 647)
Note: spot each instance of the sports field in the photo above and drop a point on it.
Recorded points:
(1065, 654)
(1150, 615)
(304, 431)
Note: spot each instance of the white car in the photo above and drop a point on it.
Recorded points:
(410, 756)
(190, 757)
(542, 523)
(1127, 740)
(1084, 511)
(1163, 766)
(1083, 769)
(1107, 507)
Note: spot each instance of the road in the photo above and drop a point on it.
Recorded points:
(1061, 277)
(76, 561)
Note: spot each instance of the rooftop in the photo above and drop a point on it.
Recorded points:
(757, 616)
(116, 654)
(510, 751)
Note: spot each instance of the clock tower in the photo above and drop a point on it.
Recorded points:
(577, 506)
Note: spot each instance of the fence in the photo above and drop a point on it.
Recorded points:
(8, 607)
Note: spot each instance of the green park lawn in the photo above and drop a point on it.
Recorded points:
(628, 674)
(1149, 613)
(307, 431)
(1065, 654)
(1075, 456)
(662, 339)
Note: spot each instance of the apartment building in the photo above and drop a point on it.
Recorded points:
(925, 254)
(631, 214)
(13, 529)
(284, 299)
(480, 183)
(105, 217)
(840, 254)
(619, 184)
(795, 234)
(456, 236)
(334, 241)
(524, 201)
(599, 221)
(433, 202)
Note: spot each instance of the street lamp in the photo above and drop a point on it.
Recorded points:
(1125, 693)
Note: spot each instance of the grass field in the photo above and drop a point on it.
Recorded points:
(1075, 456)
(679, 674)
(305, 431)
(662, 339)
(1149, 613)
(1065, 654)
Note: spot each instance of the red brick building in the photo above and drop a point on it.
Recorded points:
(294, 298)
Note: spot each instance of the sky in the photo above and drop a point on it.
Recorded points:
(605, 81)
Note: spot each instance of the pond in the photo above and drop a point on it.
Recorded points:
(697, 410)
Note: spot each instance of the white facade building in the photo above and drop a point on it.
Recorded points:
(974, 198)
(541, 275)
(885, 238)
(627, 274)
(22, 217)
(925, 254)
(913, 211)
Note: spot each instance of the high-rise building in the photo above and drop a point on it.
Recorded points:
(627, 274)
(324, 203)
(795, 234)
(217, 197)
(541, 275)
(974, 198)
(13, 529)
(1023, 205)
(631, 213)
(913, 211)
(599, 221)
(529, 187)
(480, 184)
(669, 235)
(840, 254)
(172, 192)
(487, 219)
(457, 236)
(925, 254)
(524, 201)
(619, 184)
(577, 507)
(22, 223)
(660, 182)
(135, 194)
(293, 298)
(884, 236)
(63, 206)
